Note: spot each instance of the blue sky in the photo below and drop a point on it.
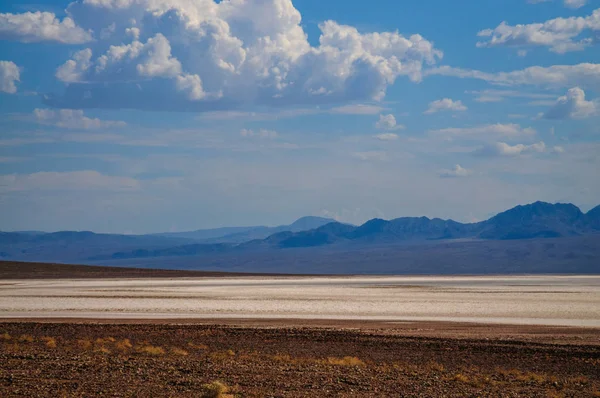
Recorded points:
(136, 116)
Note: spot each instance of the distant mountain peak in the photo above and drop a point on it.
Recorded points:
(311, 219)
(307, 223)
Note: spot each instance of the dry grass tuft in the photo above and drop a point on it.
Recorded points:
(179, 351)
(216, 389)
(50, 342)
(26, 338)
(84, 343)
(578, 380)
(435, 366)
(150, 349)
(346, 361)
(197, 346)
(462, 378)
(102, 350)
(123, 345)
(5, 336)
(527, 377)
(105, 340)
(222, 355)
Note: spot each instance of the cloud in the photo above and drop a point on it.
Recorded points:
(567, 3)
(370, 156)
(445, 104)
(87, 180)
(498, 129)
(72, 119)
(357, 109)
(387, 137)
(262, 133)
(501, 95)
(504, 149)
(9, 74)
(573, 105)
(456, 172)
(219, 56)
(388, 122)
(31, 27)
(585, 75)
(559, 34)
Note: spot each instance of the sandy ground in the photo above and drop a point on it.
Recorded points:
(526, 300)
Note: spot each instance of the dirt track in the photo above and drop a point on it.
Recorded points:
(160, 359)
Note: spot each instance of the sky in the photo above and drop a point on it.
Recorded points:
(137, 116)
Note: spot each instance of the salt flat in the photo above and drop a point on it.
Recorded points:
(542, 300)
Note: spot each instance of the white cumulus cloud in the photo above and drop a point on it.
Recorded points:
(9, 74)
(504, 149)
(560, 35)
(388, 122)
(445, 104)
(208, 55)
(573, 105)
(456, 172)
(30, 27)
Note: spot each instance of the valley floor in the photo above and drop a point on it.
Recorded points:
(410, 359)
(533, 300)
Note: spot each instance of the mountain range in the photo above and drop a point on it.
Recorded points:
(538, 220)
(244, 234)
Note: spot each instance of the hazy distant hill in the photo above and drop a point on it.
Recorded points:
(244, 234)
(69, 246)
(539, 219)
(73, 246)
(536, 220)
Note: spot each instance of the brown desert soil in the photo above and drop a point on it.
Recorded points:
(26, 270)
(296, 359)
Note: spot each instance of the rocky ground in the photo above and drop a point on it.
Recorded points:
(156, 360)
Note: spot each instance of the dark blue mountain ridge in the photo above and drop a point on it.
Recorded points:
(535, 220)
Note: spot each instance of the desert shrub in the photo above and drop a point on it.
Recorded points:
(179, 351)
(346, 361)
(123, 345)
(222, 355)
(461, 377)
(216, 389)
(84, 343)
(102, 350)
(50, 342)
(438, 367)
(26, 338)
(105, 340)
(150, 349)
(578, 380)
